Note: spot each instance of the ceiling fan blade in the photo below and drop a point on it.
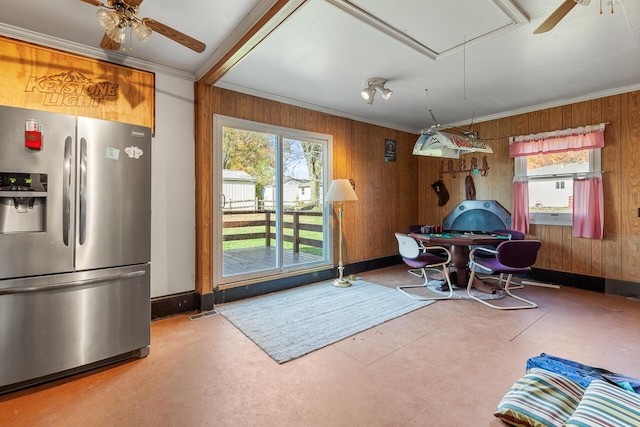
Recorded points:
(94, 2)
(556, 16)
(175, 35)
(133, 3)
(107, 43)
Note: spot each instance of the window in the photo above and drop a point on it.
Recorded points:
(550, 181)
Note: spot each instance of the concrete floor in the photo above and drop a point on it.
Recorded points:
(447, 364)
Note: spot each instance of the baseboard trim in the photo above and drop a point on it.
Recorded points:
(171, 305)
(590, 283)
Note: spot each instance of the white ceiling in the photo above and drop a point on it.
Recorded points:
(476, 57)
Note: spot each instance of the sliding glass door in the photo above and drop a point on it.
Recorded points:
(268, 185)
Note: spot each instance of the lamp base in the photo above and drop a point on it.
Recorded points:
(341, 283)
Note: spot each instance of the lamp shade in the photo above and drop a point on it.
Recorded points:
(340, 190)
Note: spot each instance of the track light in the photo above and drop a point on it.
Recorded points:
(375, 84)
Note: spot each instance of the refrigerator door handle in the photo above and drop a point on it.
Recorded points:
(72, 284)
(66, 191)
(83, 191)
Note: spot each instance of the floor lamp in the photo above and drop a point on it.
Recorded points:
(341, 191)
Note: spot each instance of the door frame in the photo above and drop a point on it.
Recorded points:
(223, 282)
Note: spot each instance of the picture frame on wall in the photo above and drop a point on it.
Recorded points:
(389, 150)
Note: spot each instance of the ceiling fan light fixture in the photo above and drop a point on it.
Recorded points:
(108, 19)
(117, 33)
(142, 32)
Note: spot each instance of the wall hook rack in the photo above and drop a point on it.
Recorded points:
(462, 168)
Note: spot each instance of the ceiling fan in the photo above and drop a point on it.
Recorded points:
(119, 15)
(563, 10)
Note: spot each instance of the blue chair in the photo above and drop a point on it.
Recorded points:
(511, 257)
(421, 258)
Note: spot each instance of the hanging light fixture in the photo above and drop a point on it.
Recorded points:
(142, 32)
(375, 84)
(115, 23)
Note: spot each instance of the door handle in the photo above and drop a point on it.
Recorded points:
(66, 190)
(83, 191)
(222, 201)
(72, 284)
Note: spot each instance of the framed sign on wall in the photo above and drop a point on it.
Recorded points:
(389, 150)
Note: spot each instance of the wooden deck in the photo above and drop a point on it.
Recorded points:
(248, 260)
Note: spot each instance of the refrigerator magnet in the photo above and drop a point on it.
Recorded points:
(112, 153)
(133, 152)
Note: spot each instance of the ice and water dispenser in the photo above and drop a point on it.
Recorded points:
(23, 202)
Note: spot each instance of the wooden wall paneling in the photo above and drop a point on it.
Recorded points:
(556, 251)
(567, 121)
(611, 159)
(408, 182)
(556, 118)
(502, 179)
(520, 124)
(374, 175)
(274, 112)
(244, 106)
(358, 213)
(204, 100)
(567, 248)
(301, 119)
(228, 103)
(484, 191)
(368, 175)
(392, 197)
(545, 118)
(630, 200)
(341, 147)
(284, 114)
(376, 189)
(257, 110)
(542, 234)
(377, 185)
(321, 121)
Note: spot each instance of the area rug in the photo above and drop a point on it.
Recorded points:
(292, 323)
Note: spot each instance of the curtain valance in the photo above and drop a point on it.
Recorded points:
(580, 138)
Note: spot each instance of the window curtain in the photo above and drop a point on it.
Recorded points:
(588, 207)
(520, 208)
(581, 138)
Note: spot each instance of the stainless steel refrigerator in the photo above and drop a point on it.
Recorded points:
(75, 226)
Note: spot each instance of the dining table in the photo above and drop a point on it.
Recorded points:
(459, 243)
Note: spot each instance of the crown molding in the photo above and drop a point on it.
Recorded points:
(553, 104)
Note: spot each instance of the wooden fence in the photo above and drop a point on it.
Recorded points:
(267, 221)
